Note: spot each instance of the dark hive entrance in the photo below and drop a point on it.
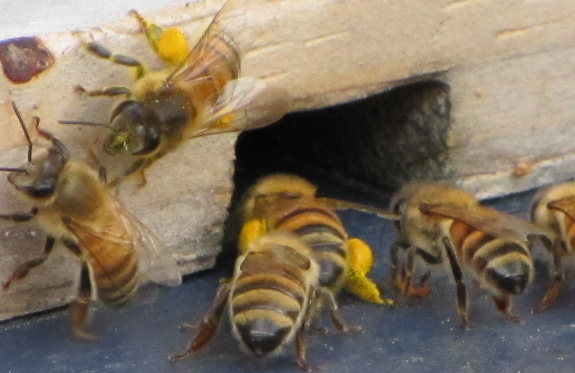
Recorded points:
(382, 141)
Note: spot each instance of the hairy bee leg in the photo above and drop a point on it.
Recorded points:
(503, 304)
(301, 350)
(152, 31)
(207, 327)
(100, 51)
(406, 273)
(22, 270)
(394, 259)
(107, 91)
(360, 260)
(169, 44)
(80, 307)
(335, 313)
(20, 217)
(552, 292)
(462, 307)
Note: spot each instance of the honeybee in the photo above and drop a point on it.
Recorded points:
(288, 203)
(199, 93)
(71, 204)
(553, 208)
(439, 221)
(268, 299)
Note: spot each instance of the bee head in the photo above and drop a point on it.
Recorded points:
(133, 131)
(38, 178)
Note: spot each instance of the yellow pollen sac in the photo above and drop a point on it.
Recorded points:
(251, 230)
(360, 261)
(172, 46)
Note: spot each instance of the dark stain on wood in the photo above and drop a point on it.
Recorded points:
(24, 58)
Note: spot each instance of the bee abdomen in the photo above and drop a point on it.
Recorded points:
(116, 281)
(324, 234)
(504, 264)
(265, 309)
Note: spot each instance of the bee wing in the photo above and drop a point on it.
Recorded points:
(245, 103)
(338, 204)
(261, 261)
(157, 263)
(214, 39)
(487, 220)
(565, 205)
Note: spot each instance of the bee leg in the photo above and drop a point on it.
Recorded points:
(169, 44)
(360, 260)
(504, 306)
(207, 327)
(107, 91)
(301, 350)
(394, 259)
(407, 273)
(100, 51)
(336, 316)
(462, 307)
(93, 159)
(553, 290)
(23, 269)
(80, 307)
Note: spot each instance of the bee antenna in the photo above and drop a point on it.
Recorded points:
(13, 169)
(87, 123)
(25, 132)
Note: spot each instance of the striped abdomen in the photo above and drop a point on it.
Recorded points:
(268, 303)
(502, 263)
(320, 228)
(114, 268)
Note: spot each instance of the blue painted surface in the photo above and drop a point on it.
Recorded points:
(421, 336)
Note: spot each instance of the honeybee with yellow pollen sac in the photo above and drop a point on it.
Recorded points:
(438, 221)
(553, 208)
(283, 202)
(268, 299)
(199, 93)
(72, 204)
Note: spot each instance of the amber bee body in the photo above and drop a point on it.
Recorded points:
(199, 93)
(288, 203)
(268, 299)
(438, 220)
(553, 208)
(73, 205)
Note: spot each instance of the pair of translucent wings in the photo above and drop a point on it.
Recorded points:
(273, 250)
(487, 220)
(155, 262)
(245, 102)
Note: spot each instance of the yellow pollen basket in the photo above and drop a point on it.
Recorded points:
(251, 231)
(172, 46)
(360, 261)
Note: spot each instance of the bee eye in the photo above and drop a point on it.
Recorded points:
(125, 106)
(151, 141)
(40, 190)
